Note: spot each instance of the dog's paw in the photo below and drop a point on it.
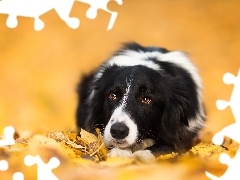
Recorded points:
(116, 152)
(144, 156)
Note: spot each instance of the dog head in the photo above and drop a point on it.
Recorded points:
(138, 102)
(138, 94)
(135, 104)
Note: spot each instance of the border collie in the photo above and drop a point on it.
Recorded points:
(143, 93)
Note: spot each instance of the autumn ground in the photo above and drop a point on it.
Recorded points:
(39, 72)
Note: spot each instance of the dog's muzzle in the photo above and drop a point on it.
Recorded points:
(120, 131)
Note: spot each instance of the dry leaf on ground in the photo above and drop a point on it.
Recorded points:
(84, 156)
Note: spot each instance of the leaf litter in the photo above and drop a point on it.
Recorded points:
(85, 155)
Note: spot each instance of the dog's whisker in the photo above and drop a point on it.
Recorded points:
(100, 126)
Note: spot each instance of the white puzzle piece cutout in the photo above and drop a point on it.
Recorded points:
(233, 172)
(8, 136)
(18, 176)
(36, 8)
(44, 170)
(3, 165)
(232, 131)
(101, 4)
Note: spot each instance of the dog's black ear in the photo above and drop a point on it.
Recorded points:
(95, 111)
(177, 107)
(83, 96)
(96, 98)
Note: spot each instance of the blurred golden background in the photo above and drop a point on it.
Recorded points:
(39, 70)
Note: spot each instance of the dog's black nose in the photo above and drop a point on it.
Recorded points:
(119, 130)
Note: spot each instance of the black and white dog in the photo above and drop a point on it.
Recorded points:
(143, 93)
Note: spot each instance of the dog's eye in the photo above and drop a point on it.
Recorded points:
(112, 96)
(146, 100)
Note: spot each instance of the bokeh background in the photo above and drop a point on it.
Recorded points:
(39, 70)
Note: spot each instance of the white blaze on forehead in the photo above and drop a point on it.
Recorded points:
(119, 112)
(126, 94)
